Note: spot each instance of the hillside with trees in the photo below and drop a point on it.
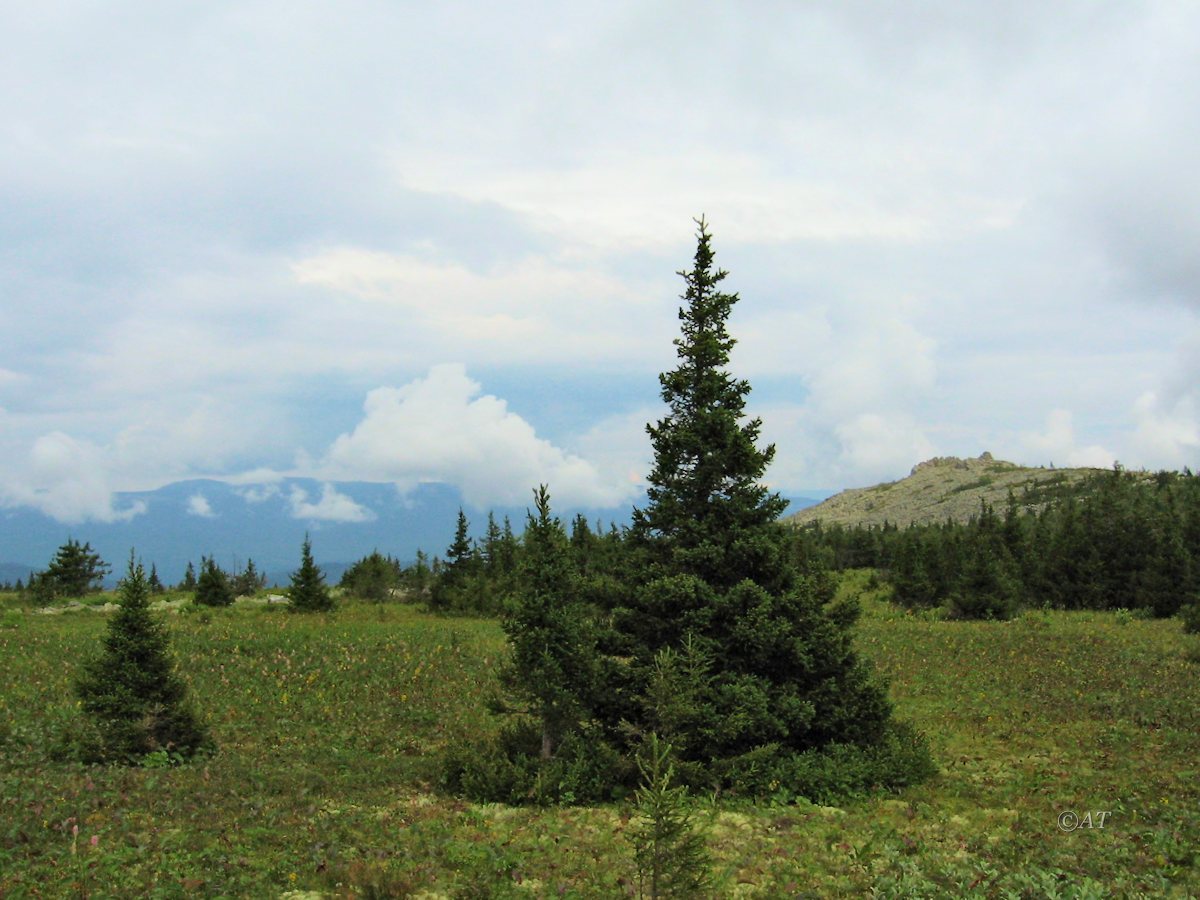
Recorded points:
(945, 488)
(1109, 540)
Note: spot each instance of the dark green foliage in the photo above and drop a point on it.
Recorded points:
(309, 592)
(670, 851)
(554, 669)
(373, 577)
(131, 692)
(1190, 615)
(419, 576)
(476, 578)
(75, 571)
(212, 587)
(456, 588)
(154, 583)
(697, 625)
(249, 582)
(189, 578)
(914, 583)
(553, 751)
(508, 768)
(988, 586)
(1116, 540)
(758, 660)
(837, 772)
(707, 509)
(460, 554)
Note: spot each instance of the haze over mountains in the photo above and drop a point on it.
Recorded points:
(267, 522)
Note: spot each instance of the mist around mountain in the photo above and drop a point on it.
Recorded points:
(267, 522)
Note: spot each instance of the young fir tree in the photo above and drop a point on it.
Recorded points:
(459, 555)
(715, 575)
(132, 692)
(308, 590)
(189, 578)
(212, 587)
(670, 847)
(554, 665)
(154, 583)
(248, 582)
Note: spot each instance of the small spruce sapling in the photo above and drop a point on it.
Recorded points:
(132, 692)
(309, 592)
(670, 851)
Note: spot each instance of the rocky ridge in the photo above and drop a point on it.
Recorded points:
(945, 487)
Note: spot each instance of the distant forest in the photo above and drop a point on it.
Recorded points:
(1115, 540)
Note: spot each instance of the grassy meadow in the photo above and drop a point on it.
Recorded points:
(329, 730)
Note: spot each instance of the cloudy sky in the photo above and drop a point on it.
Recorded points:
(401, 242)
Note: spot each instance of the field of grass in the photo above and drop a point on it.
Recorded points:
(329, 730)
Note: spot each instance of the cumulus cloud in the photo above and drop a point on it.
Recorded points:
(1057, 444)
(1167, 433)
(859, 417)
(879, 445)
(67, 479)
(198, 505)
(333, 506)
(439, 429)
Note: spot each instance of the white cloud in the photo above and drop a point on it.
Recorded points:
(625, 199)
(619, 447)
(1167, 434)
(198, 505)
(257, 492)
(67, 479)
(533, 306)
(944, 222)
(876, 445)
(873, 369)
(438, 429)
(332, 507)
(1057, 444)
(10, 378)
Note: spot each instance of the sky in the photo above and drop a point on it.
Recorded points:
(406, 243)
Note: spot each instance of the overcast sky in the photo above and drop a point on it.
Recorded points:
(389, 241)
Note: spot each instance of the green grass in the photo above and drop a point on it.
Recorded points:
(329, 730)
(981, 482)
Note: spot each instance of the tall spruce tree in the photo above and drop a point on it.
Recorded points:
(132, 691)
(716, 582)
(309, 592)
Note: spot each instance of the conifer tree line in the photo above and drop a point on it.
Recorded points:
(1116, 540)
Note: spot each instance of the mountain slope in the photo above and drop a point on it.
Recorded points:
(942, 488)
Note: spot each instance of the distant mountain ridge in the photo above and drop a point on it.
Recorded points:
(267, 523)
(942, 488)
